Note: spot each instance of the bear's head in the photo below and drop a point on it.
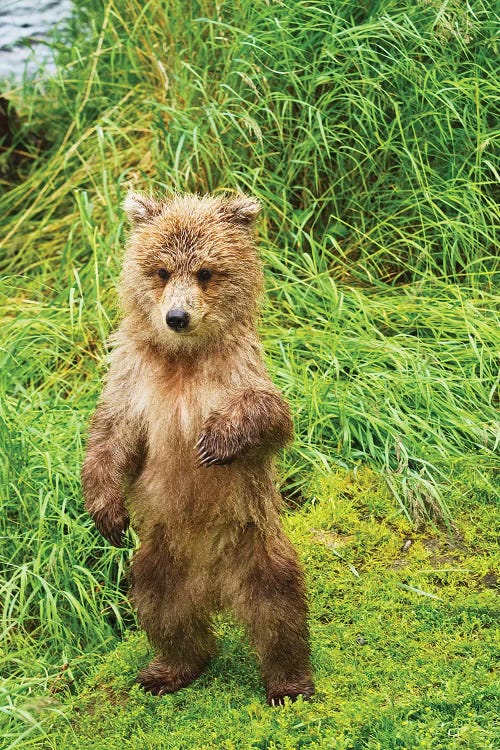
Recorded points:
(191, 274)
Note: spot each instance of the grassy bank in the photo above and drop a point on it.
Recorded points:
(368, 133)
(404, 639)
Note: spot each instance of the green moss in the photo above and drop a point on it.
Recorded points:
(404, 631)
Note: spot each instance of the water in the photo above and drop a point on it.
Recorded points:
(25, 27)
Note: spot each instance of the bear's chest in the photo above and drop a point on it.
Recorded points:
(174, 405)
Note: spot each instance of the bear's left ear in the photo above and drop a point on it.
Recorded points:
(241, 210)
(139, 208)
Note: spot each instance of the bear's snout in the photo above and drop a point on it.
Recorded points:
(177, 319)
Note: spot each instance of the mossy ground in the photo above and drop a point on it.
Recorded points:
(405, 638)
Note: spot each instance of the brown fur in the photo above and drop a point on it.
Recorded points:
(186, 430)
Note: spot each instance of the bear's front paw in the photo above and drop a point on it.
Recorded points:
(112, 525)
(218, 445)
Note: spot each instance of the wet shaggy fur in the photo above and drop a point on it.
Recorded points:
(182, 442)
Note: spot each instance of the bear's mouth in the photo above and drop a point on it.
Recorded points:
(187, 331)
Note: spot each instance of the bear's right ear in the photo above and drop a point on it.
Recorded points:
(139, 208)
(241, 210)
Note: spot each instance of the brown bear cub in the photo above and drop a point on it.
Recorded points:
(186, 429)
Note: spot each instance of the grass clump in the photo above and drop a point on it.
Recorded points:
(368, 132)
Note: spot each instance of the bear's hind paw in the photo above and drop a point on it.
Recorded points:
(160, 679)
(277, 697)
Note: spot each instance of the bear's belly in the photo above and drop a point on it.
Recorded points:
(194, 503)
(174, 488)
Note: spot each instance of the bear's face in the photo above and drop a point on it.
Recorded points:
(191, 271)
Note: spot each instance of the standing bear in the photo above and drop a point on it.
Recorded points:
(186, 430)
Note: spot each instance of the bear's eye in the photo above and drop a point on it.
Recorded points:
(204, 274)
(163, 273)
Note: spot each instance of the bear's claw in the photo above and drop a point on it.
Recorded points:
(208, 453)
(277, 697)
(112, 527)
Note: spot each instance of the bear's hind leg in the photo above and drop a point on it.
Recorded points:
(182, 656)
(176, 623)
(268, 595)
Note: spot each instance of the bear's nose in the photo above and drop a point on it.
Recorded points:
(177, 319)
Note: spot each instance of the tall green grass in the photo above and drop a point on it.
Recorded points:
(367, 130)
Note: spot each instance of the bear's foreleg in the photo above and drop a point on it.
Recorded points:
(270, 599)
(251, 418)
(176, 623)
(114, 450)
